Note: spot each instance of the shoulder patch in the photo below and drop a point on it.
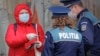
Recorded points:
(83, 26)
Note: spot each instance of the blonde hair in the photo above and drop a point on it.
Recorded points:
(62, 21)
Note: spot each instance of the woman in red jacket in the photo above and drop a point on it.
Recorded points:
(25, 36)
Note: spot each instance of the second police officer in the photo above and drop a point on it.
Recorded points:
(86, 21)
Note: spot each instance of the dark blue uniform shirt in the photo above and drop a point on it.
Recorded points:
(95, 49)
(86, 26)
(66, 42)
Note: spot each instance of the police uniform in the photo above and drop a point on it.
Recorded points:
(95, 50)
(85, 24)
(69, 2)
(66, 42)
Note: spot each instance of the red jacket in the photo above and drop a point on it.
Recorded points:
(18, 43)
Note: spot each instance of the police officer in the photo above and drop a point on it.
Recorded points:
(96, 45)
(62, 39)
(85, 22)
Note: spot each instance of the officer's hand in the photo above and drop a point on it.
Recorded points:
(38, 44)
(31, 36)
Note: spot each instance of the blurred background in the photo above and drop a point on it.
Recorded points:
(41, 9)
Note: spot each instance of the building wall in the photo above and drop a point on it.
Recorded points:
(7, 7)
(3, 25)
(93, 6)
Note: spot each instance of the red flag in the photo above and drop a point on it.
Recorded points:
(35, 19)
(35, 15)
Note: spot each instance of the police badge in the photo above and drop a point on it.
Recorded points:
(83, 26)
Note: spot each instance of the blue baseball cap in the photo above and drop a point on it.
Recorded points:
(69, 3)
(59, 10)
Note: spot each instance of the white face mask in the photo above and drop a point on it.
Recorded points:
(72, 15)
(24, 17)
